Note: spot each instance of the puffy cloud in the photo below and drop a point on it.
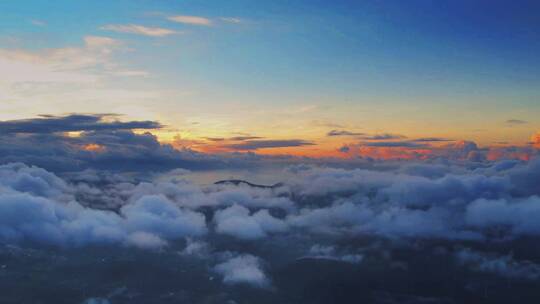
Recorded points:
(39, 216)
(145, 240)
(237, 221)
(243, 269)
(519, 215)
(196, 248)
(118, 150)
(158, 215)
(429, 201)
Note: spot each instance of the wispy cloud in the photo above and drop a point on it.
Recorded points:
(231, 20)
(37, 22)
(59, 65)
(385, 136)
(193, 20)
(513, 122)
(343, 133)
(139, 30)
(265, 144)
(431, 139)
(408, 144)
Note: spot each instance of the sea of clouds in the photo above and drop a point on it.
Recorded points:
(498, 202)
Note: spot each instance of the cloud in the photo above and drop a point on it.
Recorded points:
(243, 269)
(385, 136)
(535, 140)
(517, 216)
(344, 149)
(139, 30)
(343, 133)
(192, 20)
(234, 138)
(324, 220)
(84, 64)
(37, 22)
(513, 122)
(145, 240)
(237, 221)
(231, 20)
(407, 144)
(329, 253)
(265, 144)
(72, 122)
(432, 139)
(32, 210)
(504, 265)
(96, 301)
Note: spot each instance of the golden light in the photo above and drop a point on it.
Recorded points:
(94, 148)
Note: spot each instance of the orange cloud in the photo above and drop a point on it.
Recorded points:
(94, 148)
(535, 140)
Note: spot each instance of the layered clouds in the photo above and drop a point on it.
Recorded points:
(43, 216)
(428, 201)
(473, 215)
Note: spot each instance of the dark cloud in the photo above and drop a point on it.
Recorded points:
(343, 133)
(241, 138)
(405, 144)
(234, 138)
(432, 139)
(514, 122)
(264, 144)
(215, 138)
(344, 149)
(74, 122)
(385, 136)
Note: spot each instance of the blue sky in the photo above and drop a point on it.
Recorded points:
(274, 67)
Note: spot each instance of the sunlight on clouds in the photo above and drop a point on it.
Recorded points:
(193, 20)
(94, 148)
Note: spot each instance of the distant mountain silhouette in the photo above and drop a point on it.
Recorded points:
(238, 182)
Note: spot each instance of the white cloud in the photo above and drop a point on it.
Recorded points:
(193, 20)
(231, 20)
(236, 221)
(139, 29)
(243, 269)
(71, 77)
(34, 207)
(59, 65)
(145, 240)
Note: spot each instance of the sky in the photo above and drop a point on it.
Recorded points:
(269, 151)
(314, 78)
